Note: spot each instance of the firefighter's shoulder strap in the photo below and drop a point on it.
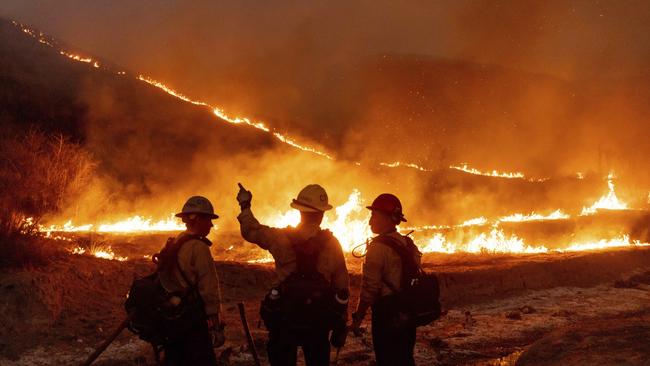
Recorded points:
(308, 251)
(410, 267)
(168, 256)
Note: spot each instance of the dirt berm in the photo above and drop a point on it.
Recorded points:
(77, 301)
(479, 278)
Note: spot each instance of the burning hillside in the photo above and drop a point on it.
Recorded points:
(525, 186)
(498, 233)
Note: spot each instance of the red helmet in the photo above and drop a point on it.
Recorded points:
(388, 203)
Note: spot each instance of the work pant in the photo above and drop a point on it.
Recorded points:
(392, 346)
(282, 348)
(193, 350)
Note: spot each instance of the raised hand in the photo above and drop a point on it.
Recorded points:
(244, 197)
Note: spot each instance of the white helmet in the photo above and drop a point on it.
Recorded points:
(312, 198)
(197, 205)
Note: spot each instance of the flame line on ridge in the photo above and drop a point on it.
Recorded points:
(42, 38)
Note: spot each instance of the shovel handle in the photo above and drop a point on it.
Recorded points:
(249, 337)
(108, 341)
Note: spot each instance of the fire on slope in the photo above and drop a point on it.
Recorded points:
(219, 112)
(609, 201)
(349, 223)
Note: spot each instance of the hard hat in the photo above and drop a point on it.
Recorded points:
(312, 198)
(197, 205)
(388, 203)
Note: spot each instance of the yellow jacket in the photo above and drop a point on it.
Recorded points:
(331, 262)
(195, 260)
(382, 263)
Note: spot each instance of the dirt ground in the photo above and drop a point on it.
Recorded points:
(539, 310)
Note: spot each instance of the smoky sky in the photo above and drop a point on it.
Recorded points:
(547, 87)
(565, 38)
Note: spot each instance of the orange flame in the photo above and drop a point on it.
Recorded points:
(99, 252)
(396, 164)
(608, 201)
(132, 224)
(555, 215)
(494, 173)
(494, 242)
(350, 226)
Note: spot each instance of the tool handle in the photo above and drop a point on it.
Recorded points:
(108, 341)
(249, 337)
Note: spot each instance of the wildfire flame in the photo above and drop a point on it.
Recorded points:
(129, 225)
(99, 252)
(622, 241)
(397, 164)
(219, 112)
(608, 201)
(496, 241)
(350, 224)
(464, 167)
(234, 120)
(555, 215)
(479, 221)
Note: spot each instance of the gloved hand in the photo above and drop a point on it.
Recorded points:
(355, 327)
(339, 336)
(217, 331)
(340, 329)
(244, 197)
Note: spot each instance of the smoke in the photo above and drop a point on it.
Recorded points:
(549, 89)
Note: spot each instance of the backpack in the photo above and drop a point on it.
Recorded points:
(156, 315)
(417, 303)
(305, 301)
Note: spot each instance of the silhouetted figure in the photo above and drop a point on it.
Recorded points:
(311, 297)
(382, 277)
(192, 273)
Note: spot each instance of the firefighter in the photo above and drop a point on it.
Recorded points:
(382, 276)
(196, 270)
(306, 258)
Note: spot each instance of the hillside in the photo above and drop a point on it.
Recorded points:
(154, 149)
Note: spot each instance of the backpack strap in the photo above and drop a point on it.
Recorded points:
(308, 251)
(406, 256)
(193, 286)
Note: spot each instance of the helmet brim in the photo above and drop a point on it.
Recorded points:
(303, 207)
(402, 219)
(211, 216)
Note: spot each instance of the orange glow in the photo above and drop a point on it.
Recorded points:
(494, 173)
(350, 225)
(555, 215)
(608, 201)
(619, 242)
(234, 120)
(408, 165)
(267, 258)
(168, 90)
(349, 221)
(496, 241)
(130, 225)
(99, 252)
(475, 222)
(40, 37)
(77, 57)
(239, 120)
